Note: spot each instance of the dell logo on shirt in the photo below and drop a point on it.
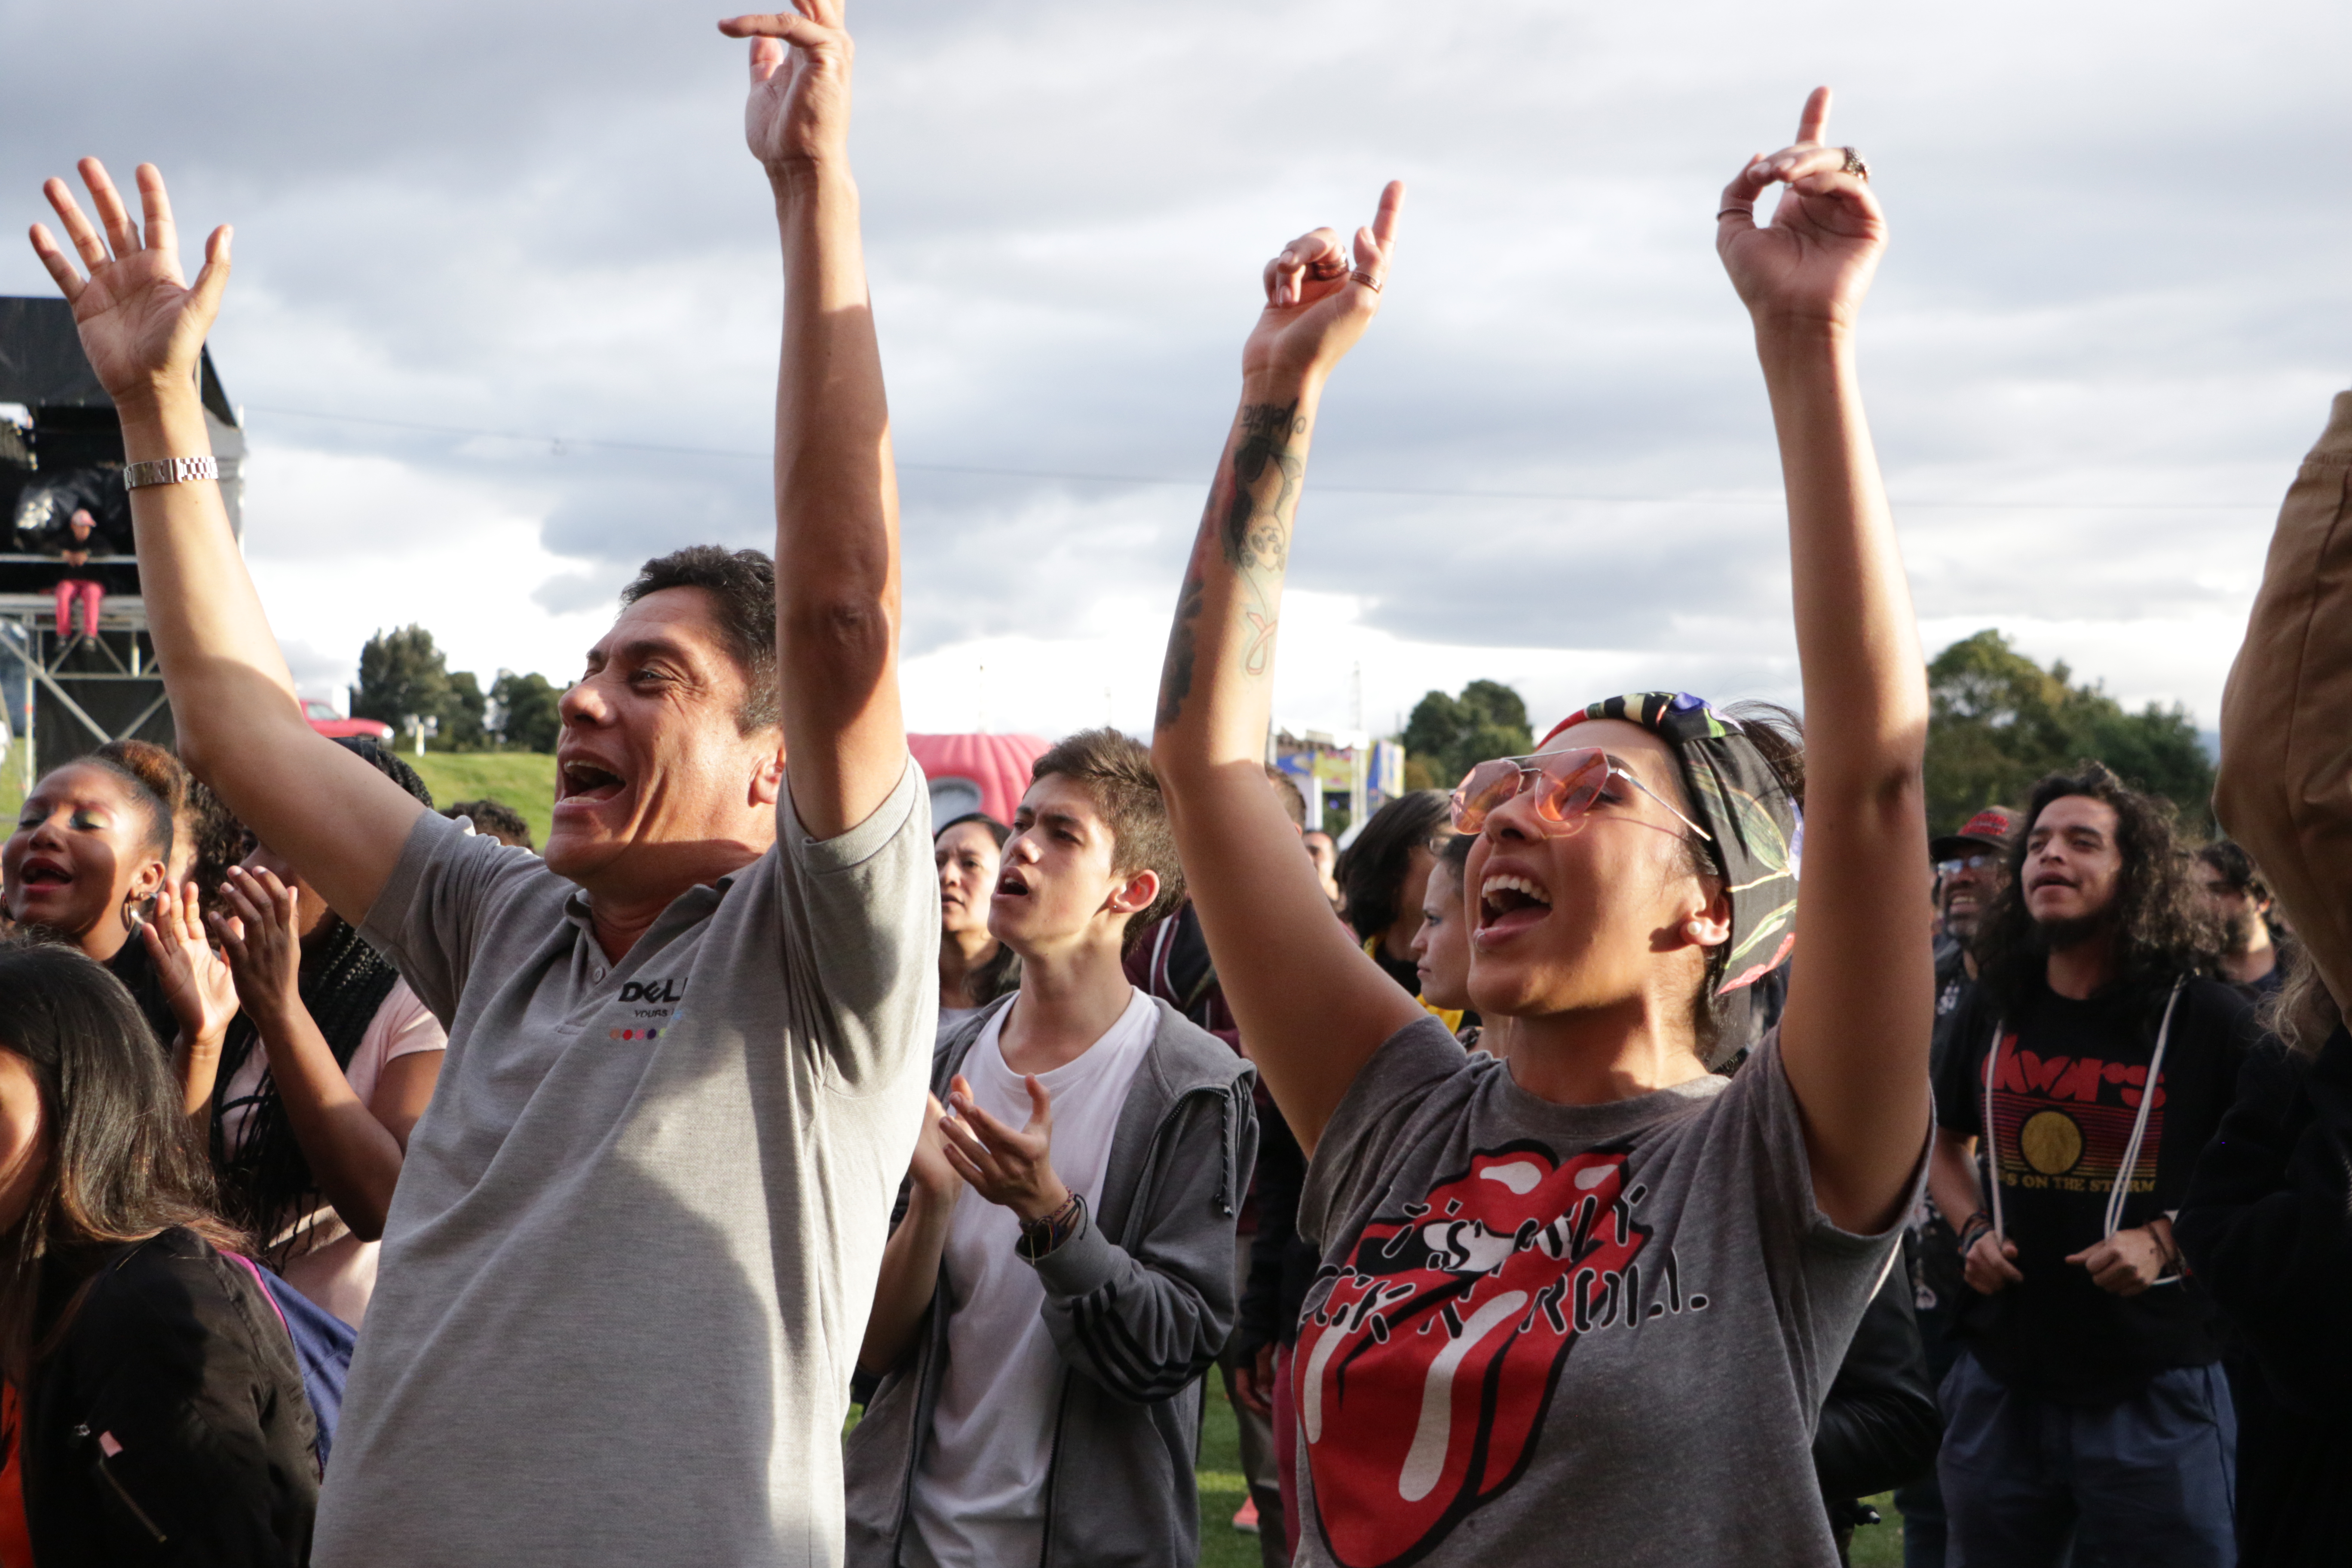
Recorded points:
(668, 990)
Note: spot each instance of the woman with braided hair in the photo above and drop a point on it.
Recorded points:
(323, 1074)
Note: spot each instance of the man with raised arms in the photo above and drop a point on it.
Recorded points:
(635, 1241)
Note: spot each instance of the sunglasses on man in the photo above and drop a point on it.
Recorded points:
(1979, 861)
(1565, 785)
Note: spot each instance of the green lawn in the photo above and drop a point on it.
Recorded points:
(1222, 1491)
(523, 780)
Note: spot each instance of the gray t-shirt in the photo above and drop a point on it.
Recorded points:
(631, 1255)
(1556, 1334)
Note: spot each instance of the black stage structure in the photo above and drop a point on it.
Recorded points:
(61, 450)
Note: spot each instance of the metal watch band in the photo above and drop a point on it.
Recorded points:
(169, 471)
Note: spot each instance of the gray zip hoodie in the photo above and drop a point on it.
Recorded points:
(1138, 1303)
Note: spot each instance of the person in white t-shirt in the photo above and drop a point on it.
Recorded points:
(325, 1071)
(1036, 1341)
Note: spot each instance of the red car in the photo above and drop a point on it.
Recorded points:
(326, 721)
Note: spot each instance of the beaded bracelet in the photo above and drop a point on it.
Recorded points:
(1041, 1237)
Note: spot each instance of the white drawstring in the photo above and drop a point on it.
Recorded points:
(2115, 1199)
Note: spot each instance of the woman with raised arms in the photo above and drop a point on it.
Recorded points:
(1582, 1302)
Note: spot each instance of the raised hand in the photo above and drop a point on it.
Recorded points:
(1319, 297)
(265, 954)
(143, 324)
(798, 109)
(1002, 1165)
(1814, 260)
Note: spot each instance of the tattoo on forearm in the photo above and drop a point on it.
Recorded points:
(1176, 670)
(1257, 533)
(1249, 513)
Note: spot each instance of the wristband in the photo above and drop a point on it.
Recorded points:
(169, 471)
(1041, 1237)
(1973, 1229)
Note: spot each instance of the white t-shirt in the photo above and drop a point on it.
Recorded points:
(334, 1267)
(980, 1493)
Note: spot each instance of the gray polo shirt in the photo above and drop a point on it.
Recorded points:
(631, 1255)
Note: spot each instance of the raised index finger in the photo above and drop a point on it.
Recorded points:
(1384, 222)
(1814, 125)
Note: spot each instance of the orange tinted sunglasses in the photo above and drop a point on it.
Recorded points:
(1566, 784)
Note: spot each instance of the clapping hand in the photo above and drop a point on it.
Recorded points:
(1320, 296)
(933, 1172)
(197, 984)
(1002, 1165)
(260, 936)
(798, 109)
(143, 324)
(1812, 263)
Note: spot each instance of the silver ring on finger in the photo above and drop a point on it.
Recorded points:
(1854, 163)
(1366, 278)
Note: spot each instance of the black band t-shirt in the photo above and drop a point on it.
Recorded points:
(2067, 1085)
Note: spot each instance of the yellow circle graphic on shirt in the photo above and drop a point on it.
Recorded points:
(2051, 1143)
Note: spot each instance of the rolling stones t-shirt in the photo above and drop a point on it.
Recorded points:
(1595, 1333)
(2067, 1085)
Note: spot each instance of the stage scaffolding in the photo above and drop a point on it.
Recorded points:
(75, 693)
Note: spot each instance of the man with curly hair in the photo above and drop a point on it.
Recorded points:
(2088, 1401)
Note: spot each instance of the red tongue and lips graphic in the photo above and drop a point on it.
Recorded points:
(1422, 1378)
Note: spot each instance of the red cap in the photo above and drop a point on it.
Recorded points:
(1987, 829)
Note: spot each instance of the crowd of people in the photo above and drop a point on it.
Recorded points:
(1646, 1152)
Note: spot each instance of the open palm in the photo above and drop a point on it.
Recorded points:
(798, 109)
(1814, 260)
(196, 980)
(143, 324)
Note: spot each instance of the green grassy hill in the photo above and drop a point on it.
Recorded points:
(523, 780)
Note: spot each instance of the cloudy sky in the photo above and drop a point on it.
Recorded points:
(2117, 301)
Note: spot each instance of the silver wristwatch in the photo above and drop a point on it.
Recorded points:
(169, 471)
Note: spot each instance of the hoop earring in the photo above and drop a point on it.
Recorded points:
(134, 915)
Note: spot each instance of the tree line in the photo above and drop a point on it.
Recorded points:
(403, 674)
(1997, 722)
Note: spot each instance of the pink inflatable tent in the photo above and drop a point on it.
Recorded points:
(975, 772)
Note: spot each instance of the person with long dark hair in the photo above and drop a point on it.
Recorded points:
(1382, 874)
(1703, 1247)
(2095, 1058)
(2267, 1219)
(1441, 948)
(330, 1063)
(975, 968)
(159, 1412)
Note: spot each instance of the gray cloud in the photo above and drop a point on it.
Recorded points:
(2116, 279)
